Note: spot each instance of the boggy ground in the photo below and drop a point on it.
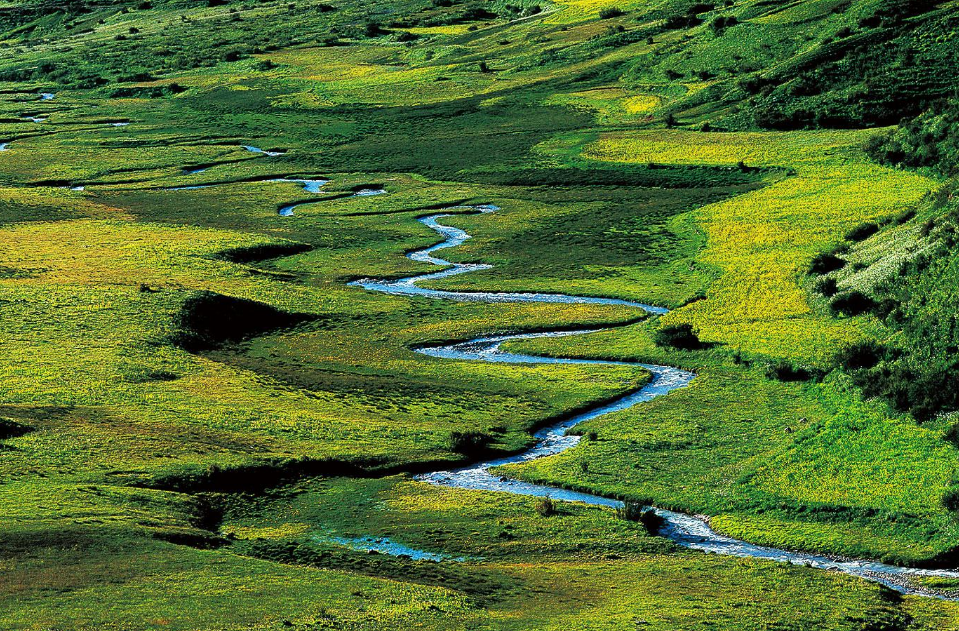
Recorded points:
(192, 470)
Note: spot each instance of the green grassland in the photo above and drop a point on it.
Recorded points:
(165, 466)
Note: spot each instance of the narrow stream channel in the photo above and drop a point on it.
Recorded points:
(685, 530)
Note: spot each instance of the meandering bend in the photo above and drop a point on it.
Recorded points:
(685, 530)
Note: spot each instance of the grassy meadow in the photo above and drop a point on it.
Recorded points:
(198, 414)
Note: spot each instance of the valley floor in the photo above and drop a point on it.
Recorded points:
(204, 424)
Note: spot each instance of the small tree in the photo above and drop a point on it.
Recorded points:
(545, 506)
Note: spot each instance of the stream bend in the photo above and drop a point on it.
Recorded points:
(685, 530)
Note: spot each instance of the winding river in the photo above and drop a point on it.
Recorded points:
(685, 530)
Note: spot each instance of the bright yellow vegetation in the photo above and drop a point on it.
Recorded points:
(763, 241)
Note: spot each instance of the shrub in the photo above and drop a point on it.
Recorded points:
(828, 287)
(545, 506)
(681, 336)
(469, 443)
(950, 500)
(11, 429)
(681, 22)
(862, 355)
(952, 434)
(476, 13)
(852, 303)
(635, 510)
(610, 12)
(928, 140)
(721, 23)
(786, 371)
(373, 29)
(825, 263)
(862, 231)
(924, 391)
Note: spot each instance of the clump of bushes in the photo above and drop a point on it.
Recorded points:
(929, 140)
(148, 92)
(607, 13)
(828, 287)
(721, 23)
(787, 371)
(373, 29)
(826, 262)
(952, 434)
(866, 354)
(635, 510)
(852, 303)
(681, 336)
(11, 429)
(682, 22)
(950, 500)
(909, 386)
(862, 231)
(471, 443)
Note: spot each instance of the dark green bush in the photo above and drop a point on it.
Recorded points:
(681, 336)
(826, 262)
(470, 443)
(862, 355)
(950, 500)
(721, 23)
(862, 231)
(11, 429)
(635, 510)
(828, 287)
(610, 12)
(852, 303)
(786, 371)
(929, 140)
(208, 320)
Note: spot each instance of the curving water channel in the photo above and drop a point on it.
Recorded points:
(314, 186)
(271, 154)
(685, 530)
